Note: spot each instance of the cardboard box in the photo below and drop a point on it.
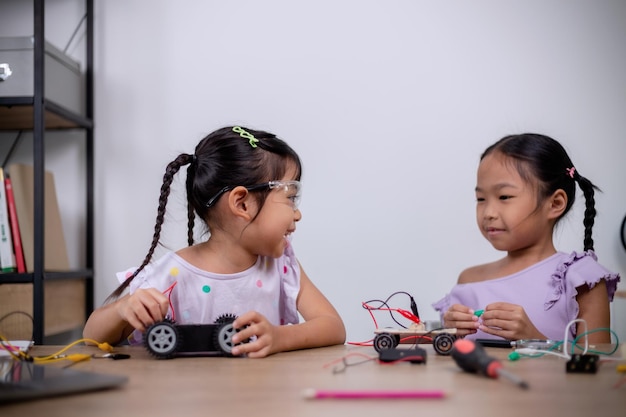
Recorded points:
(63, 80)
(64, 308)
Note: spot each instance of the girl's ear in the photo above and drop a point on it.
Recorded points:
(556, 204)
(239, 203)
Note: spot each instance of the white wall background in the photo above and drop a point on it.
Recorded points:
(389, 104)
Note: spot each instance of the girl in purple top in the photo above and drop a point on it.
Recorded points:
(525, 184)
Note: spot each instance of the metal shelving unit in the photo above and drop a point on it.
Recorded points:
(39, 114)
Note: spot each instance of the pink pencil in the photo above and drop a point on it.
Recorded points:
(371, 394)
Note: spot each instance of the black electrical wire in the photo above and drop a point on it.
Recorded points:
(385, 303)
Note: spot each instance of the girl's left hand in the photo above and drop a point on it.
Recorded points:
(508, 321)
(252, 324)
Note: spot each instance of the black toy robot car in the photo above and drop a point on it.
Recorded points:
(166, 339)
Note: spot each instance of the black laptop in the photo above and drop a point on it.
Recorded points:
(21, 381)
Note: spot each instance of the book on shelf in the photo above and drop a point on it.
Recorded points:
(7, 258)
(18, 250)
(55, 251)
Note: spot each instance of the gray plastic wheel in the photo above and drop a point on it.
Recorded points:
(225, 337)
(161, 340)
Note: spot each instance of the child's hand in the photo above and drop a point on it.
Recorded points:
(251, 324)
(143, 308)
(462, 318)
(508, 321)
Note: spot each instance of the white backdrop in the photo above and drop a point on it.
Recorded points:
(389, 104)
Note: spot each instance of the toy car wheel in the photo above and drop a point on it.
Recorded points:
(162, 340)
(384, 341)
(224, 337)
(225, 318)
(442, 343)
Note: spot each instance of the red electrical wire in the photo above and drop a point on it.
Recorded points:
(169, 299)
(404, 313)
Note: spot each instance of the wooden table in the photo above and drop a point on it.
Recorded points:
(210, 386)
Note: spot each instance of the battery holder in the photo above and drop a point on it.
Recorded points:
(413, 355)
(582, 364)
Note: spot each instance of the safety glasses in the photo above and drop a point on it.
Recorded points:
(291, 190)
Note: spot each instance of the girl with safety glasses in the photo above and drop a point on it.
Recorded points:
(244, 186)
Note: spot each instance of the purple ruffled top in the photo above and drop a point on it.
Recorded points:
(556, 277)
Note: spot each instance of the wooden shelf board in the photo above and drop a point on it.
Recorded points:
(21, 118)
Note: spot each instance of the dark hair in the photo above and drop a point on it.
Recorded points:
(546, 160)
(224, 158)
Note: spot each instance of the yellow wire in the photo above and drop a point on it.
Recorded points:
(103, 346)
(18, 354)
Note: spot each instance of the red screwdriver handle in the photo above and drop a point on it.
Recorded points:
(471, 357)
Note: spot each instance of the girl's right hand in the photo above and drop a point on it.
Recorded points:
(143, 308)
(462, 318)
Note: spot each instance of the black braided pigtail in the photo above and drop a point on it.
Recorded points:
(191, 174)
(588, 190)
(171, 170)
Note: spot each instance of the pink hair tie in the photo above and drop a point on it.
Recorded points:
(570, 171)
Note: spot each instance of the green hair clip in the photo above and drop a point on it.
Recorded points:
(246, 135)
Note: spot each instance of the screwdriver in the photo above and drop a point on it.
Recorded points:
(471, 357)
